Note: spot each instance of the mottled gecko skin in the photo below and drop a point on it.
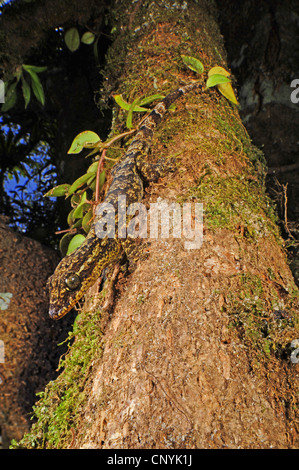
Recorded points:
(77, 272)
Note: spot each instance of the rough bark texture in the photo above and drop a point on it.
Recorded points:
(265, 61)
(174, 374)
(29, 337)
(194, 352)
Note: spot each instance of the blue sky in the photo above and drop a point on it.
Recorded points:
(4, 2)
(25, 187)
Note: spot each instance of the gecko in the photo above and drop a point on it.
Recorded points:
(78, 271)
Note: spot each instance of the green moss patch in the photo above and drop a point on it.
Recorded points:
(234, 201)
(264, 322)
(57, 413)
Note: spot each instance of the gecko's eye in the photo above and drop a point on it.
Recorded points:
(72, 281)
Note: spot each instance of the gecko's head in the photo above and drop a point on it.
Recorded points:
(77, 272)
(74, 275)
(65, 289)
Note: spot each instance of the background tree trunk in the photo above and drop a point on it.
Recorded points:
(195, 351)
(29, 336)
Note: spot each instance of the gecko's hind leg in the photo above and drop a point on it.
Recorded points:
(151, 172)
(135, 250)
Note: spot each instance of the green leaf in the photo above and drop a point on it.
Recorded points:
(124, 105)
(38, 91)
(216, 79)
(75, 199)
(37, 87)
(70, 219)
(227, 90)
(79, 198)
(130, 113)
(84, 139)
(93, 168)
(64, 243)
(102, 178)
(151, 98)
(72, 39)
(135, 106)
(80, 210)
(88, 38)
(86, 222)
(95, 150)
(92, 184)
(77, 224)
(75, 242)
(78, 183)
(33, 68)
(10, 97)
(218, 70)
(193, 63)
(57, 191)
(36, 84)
(26, 92)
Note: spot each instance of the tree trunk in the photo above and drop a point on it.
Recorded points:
(195, 350)
(28, 339)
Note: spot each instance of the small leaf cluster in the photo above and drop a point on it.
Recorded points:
(72, 40)
(81, 214)
(136, 106)
(27, 77)
(217, 76)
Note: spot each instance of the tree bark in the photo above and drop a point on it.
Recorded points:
(28, 337)
(195, 351)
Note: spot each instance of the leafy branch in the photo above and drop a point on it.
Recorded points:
(136, 106)
(72, 40)
(82, 212)
(217, 76)
(21, 76)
